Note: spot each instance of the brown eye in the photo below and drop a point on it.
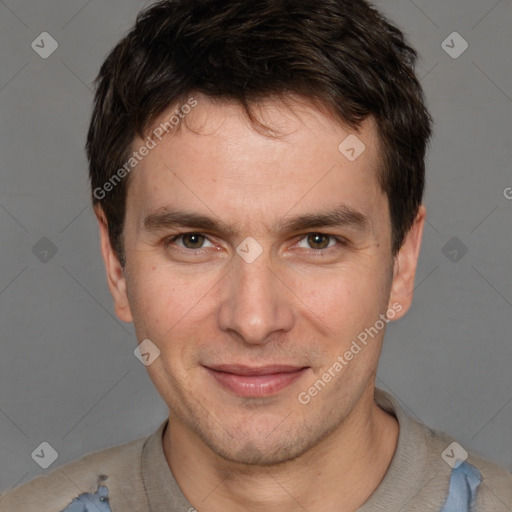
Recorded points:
(318, 241)
(190, 243)
(193, 240)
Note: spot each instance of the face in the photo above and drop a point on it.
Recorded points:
(256, 265)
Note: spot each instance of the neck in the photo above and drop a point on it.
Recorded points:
(338, 474)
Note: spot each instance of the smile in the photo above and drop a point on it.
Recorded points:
(255, 382)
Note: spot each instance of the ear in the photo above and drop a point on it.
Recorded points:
(115, 273)
(404, 267)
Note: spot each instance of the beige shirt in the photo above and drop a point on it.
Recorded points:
(139, 479)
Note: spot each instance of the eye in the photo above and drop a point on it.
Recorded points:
(319, 241)
(189, 241)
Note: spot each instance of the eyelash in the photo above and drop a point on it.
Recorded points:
(168, 241)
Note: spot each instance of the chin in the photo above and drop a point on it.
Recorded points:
(253, 453)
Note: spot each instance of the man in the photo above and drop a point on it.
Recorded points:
(257, 173)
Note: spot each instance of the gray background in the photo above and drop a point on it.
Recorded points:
(68, 375)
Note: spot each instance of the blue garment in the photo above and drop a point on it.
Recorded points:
(87, 502)
(464, 482)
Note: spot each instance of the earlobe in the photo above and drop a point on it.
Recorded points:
(405, 264)
(115, 273)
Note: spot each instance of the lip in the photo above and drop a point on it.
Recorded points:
(255, 382)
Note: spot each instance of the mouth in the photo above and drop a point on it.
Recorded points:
(255, 382)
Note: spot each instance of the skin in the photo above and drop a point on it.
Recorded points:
(301, 302)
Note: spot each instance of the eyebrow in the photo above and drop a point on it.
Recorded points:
(342, 216)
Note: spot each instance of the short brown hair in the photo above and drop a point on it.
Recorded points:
(342, 54)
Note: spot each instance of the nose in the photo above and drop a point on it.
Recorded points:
(257, 306)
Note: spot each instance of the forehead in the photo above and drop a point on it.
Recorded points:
(218, 161)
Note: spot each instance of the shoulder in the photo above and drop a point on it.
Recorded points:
(118, 469)
(493, 483)
(495, 493)
(429, 466)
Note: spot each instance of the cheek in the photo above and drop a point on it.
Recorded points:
(163, 302)
(344, 298)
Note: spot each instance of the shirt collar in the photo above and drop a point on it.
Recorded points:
(401, 481)
(162, 490)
